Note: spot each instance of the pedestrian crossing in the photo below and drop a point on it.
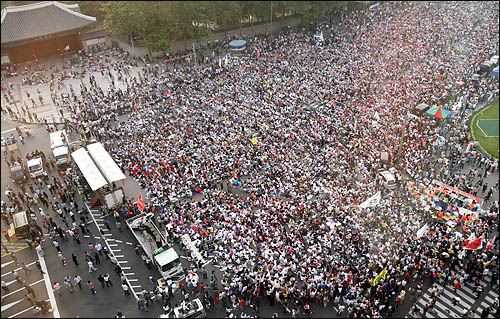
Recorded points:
(445, 306)
(13, 246)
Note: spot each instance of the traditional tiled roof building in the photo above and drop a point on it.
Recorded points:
(34, 31)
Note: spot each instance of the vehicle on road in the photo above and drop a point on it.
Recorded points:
(60, 147)
(156, 246)
(389, 178)
(35, 167)
(18, 172)
(192, 309)
(21, 224)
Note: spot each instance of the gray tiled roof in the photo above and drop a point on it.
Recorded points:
(40, 19)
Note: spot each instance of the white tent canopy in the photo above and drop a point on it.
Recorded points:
(105, 163)
(88, 169)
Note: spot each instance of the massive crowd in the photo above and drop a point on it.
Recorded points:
(301, 127)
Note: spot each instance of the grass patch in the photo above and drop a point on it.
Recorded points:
(488, 144)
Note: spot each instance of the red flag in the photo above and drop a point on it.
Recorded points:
(140, 203)
(475, 244)
(491, 242)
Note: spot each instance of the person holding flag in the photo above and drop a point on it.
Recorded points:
(382, 275)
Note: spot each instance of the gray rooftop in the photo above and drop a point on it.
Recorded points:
(41, 19)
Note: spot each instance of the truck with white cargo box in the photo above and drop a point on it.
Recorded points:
(60, 147)
(156, 246)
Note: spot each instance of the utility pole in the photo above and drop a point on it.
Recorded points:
(194, 54)
(271, 18)
(133, 49)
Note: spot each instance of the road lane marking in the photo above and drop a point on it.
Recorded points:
(119, 256)
(48, 285)
(106, 242)
(112, 245)
(10, 272)
(118, 241)
(32, 284)
(130, 244)
(7, 306)
(7, 263)
(129, 273)
(126, 268)
(133, 280)
(20, 312)
(122, 262)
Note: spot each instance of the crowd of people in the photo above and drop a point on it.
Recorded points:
(284, 144)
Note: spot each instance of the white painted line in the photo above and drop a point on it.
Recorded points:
(7, 306)
(116, 250)
(108, 234)
(11, 293)
(129, 273)
(107, 244)
(111, 239)
(119, 256)
(22, 311)
(12, 129)
(118, 241)
(112, 245)
(135, 286)
(130, 244)
(10, 272)
(48, 286)
(11, 282)
(126, 268)
(99, 219)
(101, 225)
(133, 280)
(7, 263)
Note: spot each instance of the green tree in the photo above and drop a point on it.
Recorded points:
(151, 22)
(192, 19)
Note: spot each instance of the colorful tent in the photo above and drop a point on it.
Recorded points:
(439, 112)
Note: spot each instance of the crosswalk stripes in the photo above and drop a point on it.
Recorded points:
(445, 306)
(13, 246)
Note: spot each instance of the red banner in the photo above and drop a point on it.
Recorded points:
(140, 203)
(475, 244)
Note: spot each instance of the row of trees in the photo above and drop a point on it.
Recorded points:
(158, 24)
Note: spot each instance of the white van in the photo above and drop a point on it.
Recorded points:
(389, 178)
(35, 167)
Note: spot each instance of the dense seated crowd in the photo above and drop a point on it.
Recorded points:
(301, 126)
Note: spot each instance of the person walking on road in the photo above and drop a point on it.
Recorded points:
(39, 267)
(56, 244)
(107, 280)
(25, 268)
(78, 281)
(57, 288)
(30, 290)
(97, 259)
(4, 286)
(91, 287)
(125, 289)
(91, 266)
(68, 283)
(61, 258)
(73, 256)
(14, 258)
(16, 277)
(101, 280)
